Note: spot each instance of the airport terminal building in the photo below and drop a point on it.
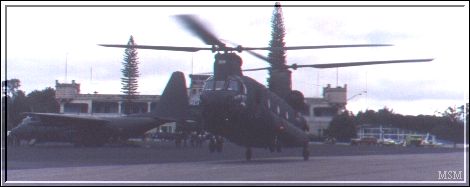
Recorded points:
(319, 115)
(72, 101)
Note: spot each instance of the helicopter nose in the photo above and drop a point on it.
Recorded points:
(20, 131)
(218, 99)
(10, 133)
(218, 106)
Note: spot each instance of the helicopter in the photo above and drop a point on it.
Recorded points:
(241, 109)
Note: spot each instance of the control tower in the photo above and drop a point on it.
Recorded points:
(336, 97)
(66, 91)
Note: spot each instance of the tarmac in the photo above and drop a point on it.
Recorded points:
(164, 163)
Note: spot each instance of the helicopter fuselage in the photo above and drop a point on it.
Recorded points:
(248, 114)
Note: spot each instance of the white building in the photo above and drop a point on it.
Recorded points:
(322, 110)
(71, 101)
(382, 132)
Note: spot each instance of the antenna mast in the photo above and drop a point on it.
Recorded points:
(192, 63)
(318, 83)
(66, 55)
(367, 91)
(336, 77)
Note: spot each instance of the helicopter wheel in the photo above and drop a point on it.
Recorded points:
(271, 148)
(278, 148)
(277, 144)
(305, 152)
(219, 146)
(212, 146)
(248, 154)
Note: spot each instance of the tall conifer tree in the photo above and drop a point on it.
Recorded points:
(279, 80)
(130, 73)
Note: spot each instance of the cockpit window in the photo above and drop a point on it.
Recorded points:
(25, 120)
(209, 85)
(219, 85)
(34, 118)
(233, 85)
(324, 111)
(230, 84)
(29, 120)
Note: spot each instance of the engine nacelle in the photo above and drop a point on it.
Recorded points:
(296, 100)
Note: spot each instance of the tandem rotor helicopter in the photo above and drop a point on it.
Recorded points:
(243, 110)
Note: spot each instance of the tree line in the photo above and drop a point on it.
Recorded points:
(15, 102)
(447, 125)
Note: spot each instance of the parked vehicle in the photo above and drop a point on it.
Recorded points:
(330, 140)
(388, 142)
(413, 140)
(364, 141)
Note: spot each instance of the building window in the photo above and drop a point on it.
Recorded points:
(324, 112)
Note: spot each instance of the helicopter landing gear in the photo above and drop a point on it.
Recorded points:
(275, 146)
(271, 148)
(278, 148)
(216, 144)
(248, 153)
(211, 146)
(305, 152)
(219, 146)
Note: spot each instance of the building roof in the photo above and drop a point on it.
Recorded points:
(115, 97)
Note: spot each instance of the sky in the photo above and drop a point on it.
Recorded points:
(40, 44)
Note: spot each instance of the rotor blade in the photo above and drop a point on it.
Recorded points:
(257, 55)
(194, 49)
(197, 28)
(204, 73)
(167, 48)
(314, 47)
(256, 69)
(347, 64)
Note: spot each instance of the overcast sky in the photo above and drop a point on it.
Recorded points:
(40, 40)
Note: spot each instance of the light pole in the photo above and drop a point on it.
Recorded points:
(360, 93)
